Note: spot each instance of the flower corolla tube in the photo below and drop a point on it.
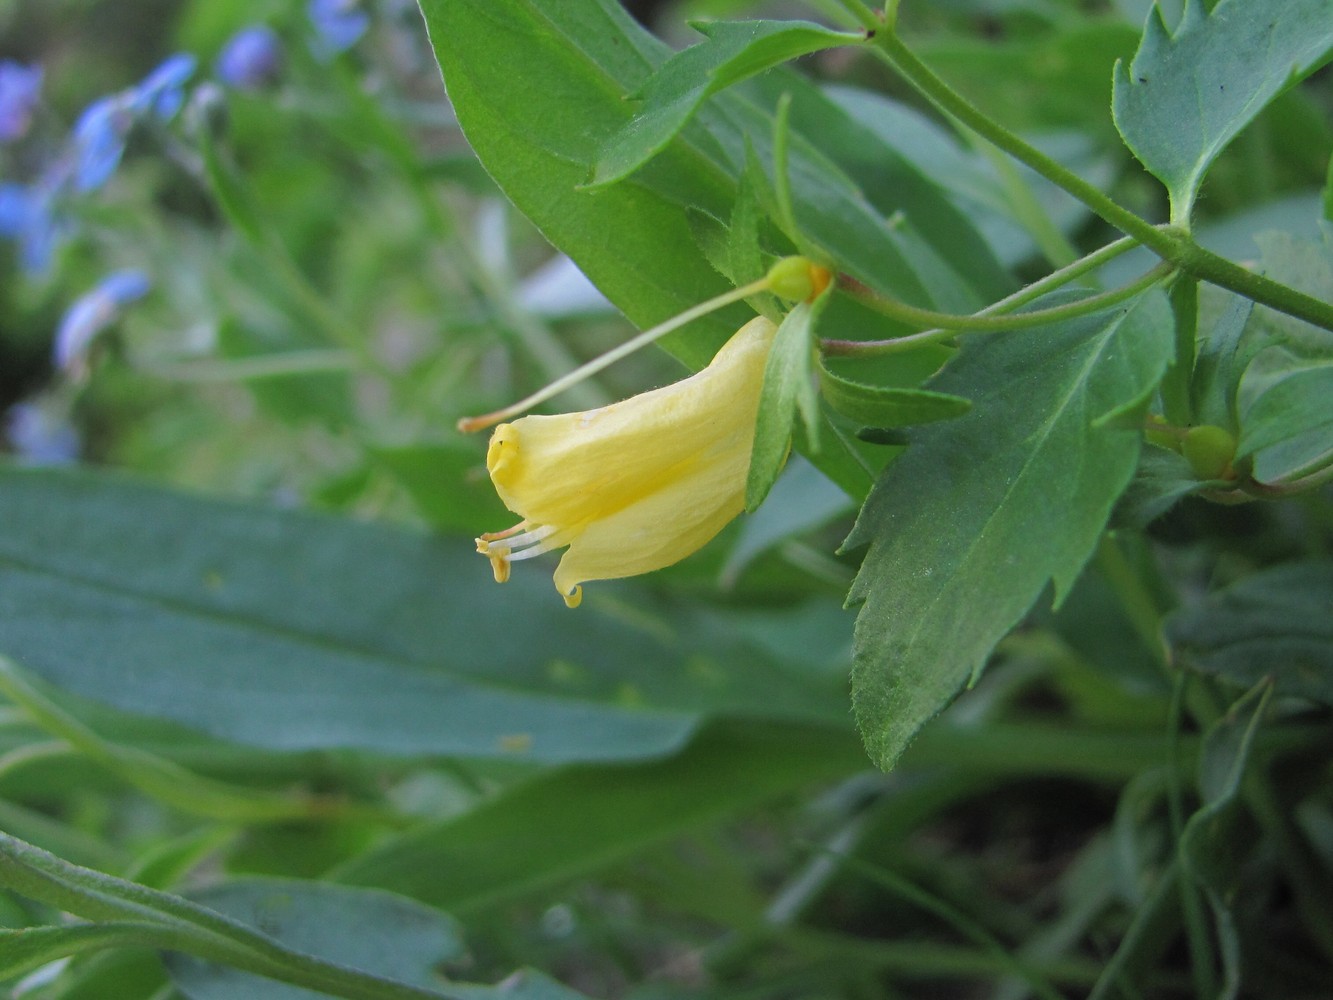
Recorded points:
(633, 486)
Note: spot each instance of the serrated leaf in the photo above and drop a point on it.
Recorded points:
(969, 525)
(287, 631)
(888, 406)
(1186, 95)
(1277, 623)
(788, 389)
(730, 52)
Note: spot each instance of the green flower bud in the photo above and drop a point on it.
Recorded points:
(797, 280)
(1209, 450)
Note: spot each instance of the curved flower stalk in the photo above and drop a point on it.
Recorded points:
(634, 486)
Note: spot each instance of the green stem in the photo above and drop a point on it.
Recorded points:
(944, 326)
(1176, 385)
(889, 46)
(1171, 243)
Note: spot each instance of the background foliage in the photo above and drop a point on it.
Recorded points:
(268, 730)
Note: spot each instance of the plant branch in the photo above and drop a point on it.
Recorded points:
(1171, 243)
(944, 326)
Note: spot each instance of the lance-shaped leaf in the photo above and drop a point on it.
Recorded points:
(969, 525)
(788, 388)
(1186, 94)
(291, 631)
(731, 52)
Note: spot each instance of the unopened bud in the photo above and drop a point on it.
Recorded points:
(797, 279)
(1209, 451)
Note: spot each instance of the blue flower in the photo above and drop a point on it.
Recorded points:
(91, 314)
(40, 435)
(20, 88)
(251, 59)
(162, 92)
(101, 131)
(339, 24)
(99, 140)
(27, 216)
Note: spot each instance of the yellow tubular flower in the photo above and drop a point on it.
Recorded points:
(636, 485)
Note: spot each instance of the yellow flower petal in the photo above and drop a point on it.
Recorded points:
(636, 485)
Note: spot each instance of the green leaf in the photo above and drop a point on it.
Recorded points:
(731, 52)
(1223, 356)
(1188, 93)
(967, 527)
(148, 918)
(539, 132)
(289, 631)
(1163, 478)
(1211, 848)
(153, 775)
(373, 931)
(28, 949)
(1294, 403)
(788, 387)
(745, 261)
(886, 406)
(1276, 623)
(591, 817)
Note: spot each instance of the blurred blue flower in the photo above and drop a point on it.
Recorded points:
(339, 24)
(162, 92)
(20, 88)
(91, 314)
(99, 140)
(28, 218)
(251, 59)
(101, 131)
(41, 436)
